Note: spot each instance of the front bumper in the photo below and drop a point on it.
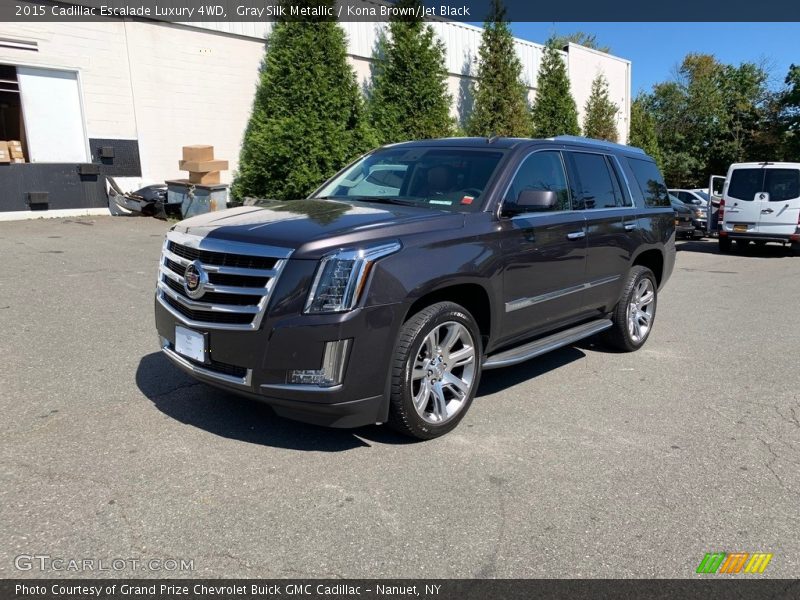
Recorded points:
(256, 364)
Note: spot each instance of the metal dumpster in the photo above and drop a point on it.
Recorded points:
(195, 198)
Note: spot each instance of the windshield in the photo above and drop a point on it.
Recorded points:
(440, 178)
(702, 194)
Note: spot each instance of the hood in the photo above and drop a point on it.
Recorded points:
(312, 227)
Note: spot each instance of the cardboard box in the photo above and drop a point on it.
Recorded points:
(198, 153)
(15, 145)
(204, 178)
(20, 161)
(15, 153)
(203, 166)
(4, 154)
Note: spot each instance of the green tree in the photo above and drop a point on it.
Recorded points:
(554, 111)
(588, 40)
(643, 129)
(789, 114)
(501, 97)
(307, 118)
(409, 98)
(600, 113)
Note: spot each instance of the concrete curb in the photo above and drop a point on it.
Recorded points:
(23, 215)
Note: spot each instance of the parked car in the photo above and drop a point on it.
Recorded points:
(761, 203)
(345, 309)
(698, 201)
(684, 225)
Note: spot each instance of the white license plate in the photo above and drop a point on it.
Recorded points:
(190, 343)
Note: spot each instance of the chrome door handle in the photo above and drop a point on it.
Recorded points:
(576, 235)
(630, 226)
(767, 210)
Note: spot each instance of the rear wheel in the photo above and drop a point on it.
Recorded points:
(724, 245)
(796, 249)
(436, 370)
(635, 313)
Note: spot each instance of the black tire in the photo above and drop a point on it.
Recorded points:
(796, 249)
(411, 345)
(724, 245)
(619, 336)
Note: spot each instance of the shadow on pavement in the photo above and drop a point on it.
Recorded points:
(498, 380)
(218, 412)
(227, 415)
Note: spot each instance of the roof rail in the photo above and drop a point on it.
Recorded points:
(599, 143)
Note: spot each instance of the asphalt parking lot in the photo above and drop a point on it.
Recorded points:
(582, 463)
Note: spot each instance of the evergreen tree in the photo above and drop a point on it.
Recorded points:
(600, 114)
(554, 111)
(501, 98)
(587, 40)
(307, 119)
(643, 129)
(409, 99)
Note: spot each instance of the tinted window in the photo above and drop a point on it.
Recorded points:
(649, 181)
(746, 183)
(541, 171)
(782, 184)
(592, 184)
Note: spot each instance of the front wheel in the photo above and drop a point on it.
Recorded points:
(435, 372)
(635, 313)
(724, 245)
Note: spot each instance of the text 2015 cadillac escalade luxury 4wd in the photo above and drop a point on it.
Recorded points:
(382, 297)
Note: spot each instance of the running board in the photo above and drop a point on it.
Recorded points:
(546, 344)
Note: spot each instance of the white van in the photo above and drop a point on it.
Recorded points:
(761, 203)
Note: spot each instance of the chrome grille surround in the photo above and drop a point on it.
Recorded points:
(218, 314)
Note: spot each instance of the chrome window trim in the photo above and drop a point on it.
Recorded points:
(226, 247)
(520, 303)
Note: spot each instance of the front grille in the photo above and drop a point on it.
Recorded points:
(238, 283)
(222, 259)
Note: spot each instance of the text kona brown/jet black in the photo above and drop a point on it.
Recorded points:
(382, 296)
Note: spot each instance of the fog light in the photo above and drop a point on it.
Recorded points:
(332, 371)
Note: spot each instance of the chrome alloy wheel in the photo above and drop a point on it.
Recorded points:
(641, 310)
(443, 372)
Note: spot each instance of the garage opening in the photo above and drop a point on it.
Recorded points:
(12, 125)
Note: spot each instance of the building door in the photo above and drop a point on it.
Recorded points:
(51, 107)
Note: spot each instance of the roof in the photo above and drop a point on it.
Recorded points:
(508, 142)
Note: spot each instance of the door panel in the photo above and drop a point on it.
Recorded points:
(779, 210)
(544, 252)
(544, 270)
(51, 107)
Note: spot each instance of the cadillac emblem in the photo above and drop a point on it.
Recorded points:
(194, 280)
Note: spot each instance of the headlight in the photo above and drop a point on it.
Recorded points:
(341, 276)
(700, 214)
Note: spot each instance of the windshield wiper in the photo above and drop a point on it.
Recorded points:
(376, 199)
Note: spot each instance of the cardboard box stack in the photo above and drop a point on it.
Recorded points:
(11, 152)
(203, 168)
(15, 151)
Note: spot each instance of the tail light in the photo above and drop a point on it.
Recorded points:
(721, 212)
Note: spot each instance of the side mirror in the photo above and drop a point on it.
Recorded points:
(533, 201)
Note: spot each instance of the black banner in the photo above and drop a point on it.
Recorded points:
(379, 10)
(431, 589)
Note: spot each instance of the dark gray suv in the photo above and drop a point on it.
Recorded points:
(382, 296)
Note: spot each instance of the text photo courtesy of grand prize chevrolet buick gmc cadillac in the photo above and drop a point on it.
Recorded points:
(383, 296)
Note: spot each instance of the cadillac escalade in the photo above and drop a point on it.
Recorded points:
(382, 296)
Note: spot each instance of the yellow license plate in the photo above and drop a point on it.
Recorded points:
(740, 228)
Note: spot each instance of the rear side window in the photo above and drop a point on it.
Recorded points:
(746, 183)
(593, 184)
(782, 184)
(541, 171)
(650, 182)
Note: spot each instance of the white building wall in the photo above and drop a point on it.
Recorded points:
(172, 85)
